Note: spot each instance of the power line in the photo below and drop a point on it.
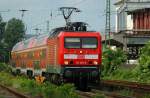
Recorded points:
(43, 22)
(80, 2)
(5, 11)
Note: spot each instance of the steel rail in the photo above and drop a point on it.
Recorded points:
(111, 94)
(127, 84)
(93, 93)
(85, 94)
(20, 95)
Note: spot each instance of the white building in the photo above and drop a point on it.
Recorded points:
(123, 20)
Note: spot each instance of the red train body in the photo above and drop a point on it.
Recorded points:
(67, 55)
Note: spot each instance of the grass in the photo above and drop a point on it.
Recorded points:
(126, 92)
(99, 95)
(32, 88)
(133, 75)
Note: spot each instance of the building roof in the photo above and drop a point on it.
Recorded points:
(119, 2)
(138, 10)
(132, 5)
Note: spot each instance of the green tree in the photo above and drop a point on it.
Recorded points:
(2, 28)
(112, 59)
(2, 50)
(144, 59)
(15, 31)
(142, 71)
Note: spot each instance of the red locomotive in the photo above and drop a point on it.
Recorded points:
(65, 54)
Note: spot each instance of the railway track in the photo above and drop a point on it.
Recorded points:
(86, 94)
(122, 84)
(138, 89)
(110, 94)
(6, 92)
(125, 84)
(93, 93)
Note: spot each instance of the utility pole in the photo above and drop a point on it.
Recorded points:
(23, 11)
(37, 31)
(47, 26)
(107, 25)
(22, 15)
(67, 12)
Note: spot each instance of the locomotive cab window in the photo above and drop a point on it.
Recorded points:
(90, 43)
(72, 42)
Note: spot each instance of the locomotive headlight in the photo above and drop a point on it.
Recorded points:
(95, 62)
(66, 62)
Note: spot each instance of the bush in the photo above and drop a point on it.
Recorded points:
(112, 59)
(142, 70)
(5, 67)
(140, 73)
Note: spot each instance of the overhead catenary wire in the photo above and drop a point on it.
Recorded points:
(50, 19)
(77, 3)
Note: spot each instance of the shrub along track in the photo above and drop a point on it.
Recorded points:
(6, 92)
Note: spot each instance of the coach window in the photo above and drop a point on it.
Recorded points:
(36, 64)
(19, 56)
(23, 64)
(43, 53)
(30, 55)
(72, 43)
(33, 54)
(25, 55)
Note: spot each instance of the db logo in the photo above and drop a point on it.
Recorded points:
(81, 57)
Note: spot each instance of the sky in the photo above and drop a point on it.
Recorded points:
(39, 11)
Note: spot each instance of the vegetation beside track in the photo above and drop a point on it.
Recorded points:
(5, 67)
(111, 60)
(139, 73)
(32, 88)
(35, 90)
